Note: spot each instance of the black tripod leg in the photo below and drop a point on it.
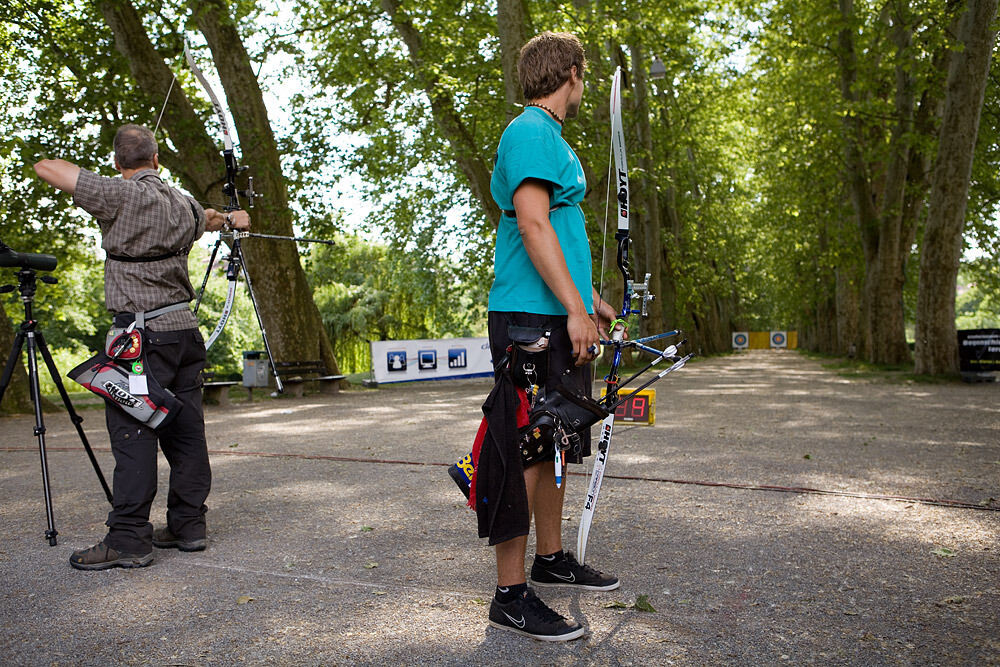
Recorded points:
(208, 272)
(74, 417)
(238, 250)
(36, 398)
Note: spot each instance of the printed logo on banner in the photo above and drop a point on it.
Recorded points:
(778, 339)
(741, 339)
(458, 357)
(427, 360)
(396, 361)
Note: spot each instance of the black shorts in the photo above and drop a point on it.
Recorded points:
(560, 359)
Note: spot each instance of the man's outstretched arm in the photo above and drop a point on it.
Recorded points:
(59, 174)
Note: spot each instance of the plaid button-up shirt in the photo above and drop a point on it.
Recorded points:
(144, 217)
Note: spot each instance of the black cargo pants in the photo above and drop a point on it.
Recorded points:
(175, 359)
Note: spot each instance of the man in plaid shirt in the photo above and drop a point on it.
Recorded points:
(148, 229)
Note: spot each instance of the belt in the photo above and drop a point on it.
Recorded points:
(141, 318)
(513, 214)
(154, 258)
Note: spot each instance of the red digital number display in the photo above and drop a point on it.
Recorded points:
(639, 409)
(634, 409)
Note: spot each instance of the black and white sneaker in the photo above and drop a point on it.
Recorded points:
(527, 615)
(566, 572)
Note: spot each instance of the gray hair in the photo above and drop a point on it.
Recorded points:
(135, 147)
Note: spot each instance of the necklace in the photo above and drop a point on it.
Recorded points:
(551, 112)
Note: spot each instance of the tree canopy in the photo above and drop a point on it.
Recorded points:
(783, 159)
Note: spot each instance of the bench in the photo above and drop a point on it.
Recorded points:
(214, 391)
(295, 374)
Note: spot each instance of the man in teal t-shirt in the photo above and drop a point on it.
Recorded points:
(543, 280)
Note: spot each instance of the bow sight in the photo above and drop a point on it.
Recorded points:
(229, 188)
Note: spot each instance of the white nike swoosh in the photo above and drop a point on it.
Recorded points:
(519, 622)
(571, 578)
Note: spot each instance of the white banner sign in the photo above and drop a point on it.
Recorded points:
(430, 359)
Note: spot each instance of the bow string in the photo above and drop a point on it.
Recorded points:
(228, 153)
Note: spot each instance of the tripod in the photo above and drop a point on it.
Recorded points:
(29, 332)
(236, 262)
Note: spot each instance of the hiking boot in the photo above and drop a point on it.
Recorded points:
(527, 615)
(102, 557)
(566, 572)
(164, 539)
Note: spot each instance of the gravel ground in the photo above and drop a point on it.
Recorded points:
(336, 536)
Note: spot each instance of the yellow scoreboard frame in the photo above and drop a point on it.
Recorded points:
(639, 409)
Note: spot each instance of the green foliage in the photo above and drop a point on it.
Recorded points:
(809, 238)
(372, 116)
(225, 358)
(367, 291)
(978, 306)
(747, 147)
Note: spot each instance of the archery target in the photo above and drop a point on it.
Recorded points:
(741, 340)
(779, 339)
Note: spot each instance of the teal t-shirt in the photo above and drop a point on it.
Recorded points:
(532, 147)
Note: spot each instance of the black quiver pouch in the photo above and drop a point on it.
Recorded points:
(558, 415)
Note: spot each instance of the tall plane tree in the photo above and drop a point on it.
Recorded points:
(188, 149)
(936, 344)
(433, 83)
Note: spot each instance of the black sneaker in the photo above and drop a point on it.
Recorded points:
(568, 573)
(527, 615)
(102, 557)
(164, 539)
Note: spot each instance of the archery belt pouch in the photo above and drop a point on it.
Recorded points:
(119, 374)
(558, 415)
(529, 356)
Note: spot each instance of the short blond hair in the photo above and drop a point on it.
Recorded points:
(546, 61)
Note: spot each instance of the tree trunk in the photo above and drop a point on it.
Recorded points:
(290, 316)
(937, 344)
(513, 29)
(294, 326)
(463, 144)
(847, 308)
(880, 211)
(17, 398)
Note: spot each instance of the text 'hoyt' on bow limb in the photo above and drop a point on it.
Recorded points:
(631, 291)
